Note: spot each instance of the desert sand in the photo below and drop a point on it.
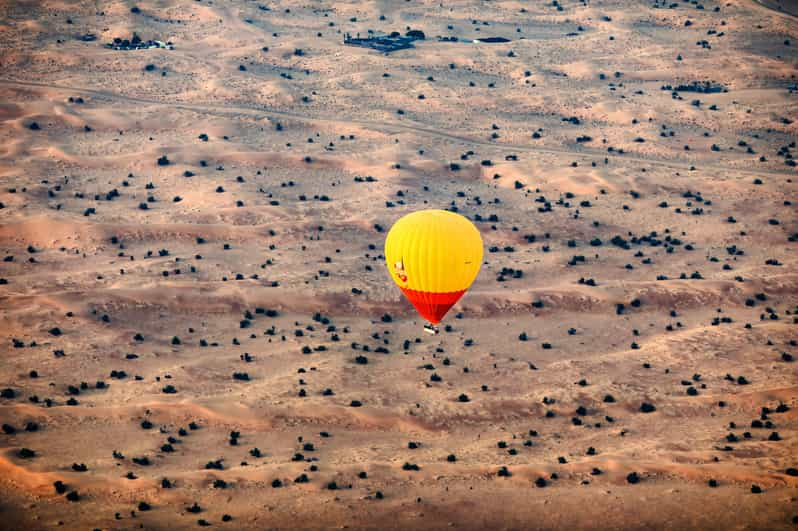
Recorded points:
(197, 326)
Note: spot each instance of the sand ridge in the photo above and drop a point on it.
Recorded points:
(196, 326)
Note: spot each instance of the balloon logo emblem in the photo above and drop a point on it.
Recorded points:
(399, 269)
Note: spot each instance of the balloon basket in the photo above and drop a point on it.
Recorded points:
(431, 329)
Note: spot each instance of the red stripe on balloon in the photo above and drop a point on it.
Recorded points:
(432, 306)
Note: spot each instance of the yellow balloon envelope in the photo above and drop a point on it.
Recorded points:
(433, 256)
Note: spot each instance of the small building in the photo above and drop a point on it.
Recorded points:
(135, 43)
(385, 43)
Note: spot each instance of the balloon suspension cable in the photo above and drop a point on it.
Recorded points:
(431, 329)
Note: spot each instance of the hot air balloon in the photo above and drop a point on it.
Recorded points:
(433, 256)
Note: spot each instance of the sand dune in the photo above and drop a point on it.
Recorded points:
(197, 327)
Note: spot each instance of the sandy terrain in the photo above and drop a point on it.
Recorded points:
(635, 373)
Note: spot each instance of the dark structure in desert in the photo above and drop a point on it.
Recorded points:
(385, 43)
